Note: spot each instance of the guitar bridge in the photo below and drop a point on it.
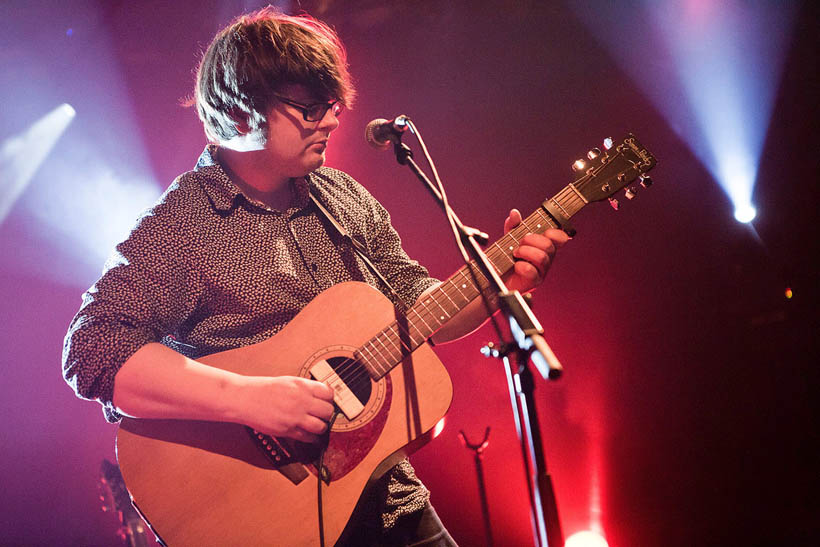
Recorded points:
(279, 456)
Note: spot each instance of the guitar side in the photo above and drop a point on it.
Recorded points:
(208, 483)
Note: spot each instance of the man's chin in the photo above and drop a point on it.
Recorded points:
(318, 162)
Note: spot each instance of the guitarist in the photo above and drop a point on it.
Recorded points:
(235, 248)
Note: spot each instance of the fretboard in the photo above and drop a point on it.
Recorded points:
(387, 349)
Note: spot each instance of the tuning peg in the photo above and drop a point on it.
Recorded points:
(594, 153)
(578, 165)
(631, 192)
(608, 143)
(646, 181)
(614, 203)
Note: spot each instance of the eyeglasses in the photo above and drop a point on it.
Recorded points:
(313, 112)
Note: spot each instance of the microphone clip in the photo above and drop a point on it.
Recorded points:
(403, 152)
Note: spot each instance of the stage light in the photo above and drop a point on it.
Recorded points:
(68, 110)
(745, 213)
(789, 293)
(585, 539)
(22, 155)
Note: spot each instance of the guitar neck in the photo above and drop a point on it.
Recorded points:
(389, 347)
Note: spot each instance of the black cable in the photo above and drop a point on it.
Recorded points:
(322, 474)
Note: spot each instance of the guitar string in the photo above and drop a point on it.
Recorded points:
(416, 313)
(356, 377)
(393, 331)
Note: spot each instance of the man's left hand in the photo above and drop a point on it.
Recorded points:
(534, 255)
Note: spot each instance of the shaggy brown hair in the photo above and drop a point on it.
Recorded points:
(255, 56)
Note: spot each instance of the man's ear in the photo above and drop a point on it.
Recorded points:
(240, 120)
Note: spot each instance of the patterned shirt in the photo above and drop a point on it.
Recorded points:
(208, 269)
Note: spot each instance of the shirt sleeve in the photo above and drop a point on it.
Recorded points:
(409, 278)
(148, 287)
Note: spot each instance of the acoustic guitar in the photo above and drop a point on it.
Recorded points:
(212, 483)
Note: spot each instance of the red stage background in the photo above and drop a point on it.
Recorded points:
(689, 399)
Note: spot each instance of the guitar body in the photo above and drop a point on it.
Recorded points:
(210, 483)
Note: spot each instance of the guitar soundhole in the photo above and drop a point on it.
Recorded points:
(354, 375)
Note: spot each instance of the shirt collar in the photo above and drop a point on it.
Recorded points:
(216, 182)
(222, 191)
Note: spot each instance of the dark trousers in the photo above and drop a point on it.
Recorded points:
(420, 529)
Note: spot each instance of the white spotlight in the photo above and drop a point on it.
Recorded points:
(23, 154)
(68, 110)
(585, 539)
(745, 213)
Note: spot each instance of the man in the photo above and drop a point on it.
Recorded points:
(234, 249)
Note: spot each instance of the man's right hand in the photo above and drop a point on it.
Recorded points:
(157, 382)
(285, 406)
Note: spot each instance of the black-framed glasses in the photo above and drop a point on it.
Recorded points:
(313, 112)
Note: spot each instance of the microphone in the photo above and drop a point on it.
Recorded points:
(381, 133)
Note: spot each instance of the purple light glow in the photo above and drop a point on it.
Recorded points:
(78, 198)
(714, 78)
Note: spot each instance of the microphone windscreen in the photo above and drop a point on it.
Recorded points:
(374, 136)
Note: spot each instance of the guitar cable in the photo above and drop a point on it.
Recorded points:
(322, 474)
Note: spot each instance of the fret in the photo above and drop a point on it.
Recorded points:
(544, 222)
(566, 214)
(436, 314)
(376, 357)
(387, 351)
(421, 317)
(362, 357)
(456, 308)
(416, 338)
(371, 369)
(384, 358)
(569, 201)
(527, 222)
(456, 292)
(388, 341)
(442, 315)
(395, 329)
(461, 286)
(392, 337)
(577, 193)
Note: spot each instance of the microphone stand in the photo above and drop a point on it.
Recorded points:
(527, 338)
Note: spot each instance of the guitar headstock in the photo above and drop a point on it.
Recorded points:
(604, 172)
